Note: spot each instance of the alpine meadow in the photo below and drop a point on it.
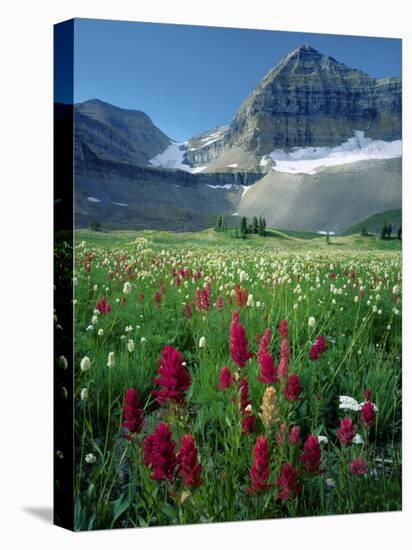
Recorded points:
(237, 294)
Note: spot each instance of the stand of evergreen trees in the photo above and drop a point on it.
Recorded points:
(257, 227)
(220, 224)
(386, 231)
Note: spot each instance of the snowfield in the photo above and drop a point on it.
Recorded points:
(172, 157)
(308, 160)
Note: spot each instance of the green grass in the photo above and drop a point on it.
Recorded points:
(290, 277)
(375, 223)
(275, 239)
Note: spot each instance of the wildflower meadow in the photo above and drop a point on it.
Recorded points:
(221, 381)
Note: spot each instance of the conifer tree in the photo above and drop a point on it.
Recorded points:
(243, 227)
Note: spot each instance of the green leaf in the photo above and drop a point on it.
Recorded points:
(169, 511)
(119, 507)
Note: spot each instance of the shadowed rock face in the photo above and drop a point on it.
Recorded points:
(311, 99)
(120, 135)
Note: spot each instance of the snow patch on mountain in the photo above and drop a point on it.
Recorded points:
(307, 160)
(172, 157)
(246, 188)
(225, 186)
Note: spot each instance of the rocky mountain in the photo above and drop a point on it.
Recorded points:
(121, 135)
(316, 145)
(310, 99)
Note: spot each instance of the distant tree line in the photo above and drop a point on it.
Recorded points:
(386, 231)
(256, 227)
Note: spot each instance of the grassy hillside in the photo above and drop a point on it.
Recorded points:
(275, 240)
(374, 224)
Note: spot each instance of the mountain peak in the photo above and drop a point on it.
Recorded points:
(312, 100)
(302, 53)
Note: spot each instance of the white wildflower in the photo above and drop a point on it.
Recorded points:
(130, 345)
(85, 363)
(358, 440)
(312, 322)
(348, 403)
(84, 394)
(250, 301)
(90, 458)
(243, 276)
(127, 288)
(111, 360)
(202, 342)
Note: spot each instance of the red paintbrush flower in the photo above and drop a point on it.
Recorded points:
(268, 371)
(238, 342)
(190, 469)
(220, 303)
(346, 431)
(203, 298)
(225, 378)
(288, 483)
(283, 329)
(292, 389)
(317, 348)
(311, 456)
(158, 299)
(188, 311)
(283, 368)
(368, 414)
(249, 424)
(132, 413)
(264, 343)
(159, 453)
(173, 377)
(284, 349)
(367, 394)
(358, 466)
(241, 295)
(294, 435)
(280, 436)
(259, 471)
(103, 306)
(244, 394)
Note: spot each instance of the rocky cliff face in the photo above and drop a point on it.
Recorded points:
(206, 147)
(311, 99)
(120, 135)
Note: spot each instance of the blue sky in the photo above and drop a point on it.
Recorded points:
(189, 79)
